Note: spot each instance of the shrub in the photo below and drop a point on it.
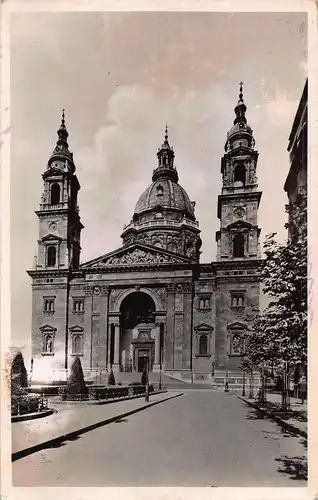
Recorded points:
(19, 376)
(25, 403)
(76, 384)
(111, 378)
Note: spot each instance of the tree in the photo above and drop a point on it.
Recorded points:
(111, 378)
(76, 383)
(280, 331)
(19, 376)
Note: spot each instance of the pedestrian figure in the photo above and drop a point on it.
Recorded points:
(302, 385)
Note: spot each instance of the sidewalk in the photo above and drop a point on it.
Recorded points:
(294, 420)
(72, 420)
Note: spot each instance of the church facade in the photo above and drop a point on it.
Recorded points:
(151, 300)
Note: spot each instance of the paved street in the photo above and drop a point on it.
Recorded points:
(202, 438)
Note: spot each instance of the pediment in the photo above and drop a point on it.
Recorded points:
(76, 328)
(47, 327)
(203, 326)
(136, 254)
(240, 224)
(52, 172)
(51, 237)
(237, 325)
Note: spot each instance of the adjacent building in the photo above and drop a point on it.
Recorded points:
(296, 181)
(151, 300)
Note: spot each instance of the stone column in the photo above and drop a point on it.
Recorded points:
(116, 365)
(109, 343)
(156, 366)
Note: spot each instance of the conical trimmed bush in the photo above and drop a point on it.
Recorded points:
(76, 383)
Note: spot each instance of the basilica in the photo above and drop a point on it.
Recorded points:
(151, 301)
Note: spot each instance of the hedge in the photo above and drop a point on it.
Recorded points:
(26, 403)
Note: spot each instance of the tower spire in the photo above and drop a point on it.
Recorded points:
(166, 135)
(240, 108)
(61, 151)
(62, 132)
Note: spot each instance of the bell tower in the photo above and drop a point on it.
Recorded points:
(59, 221)
(238, 237)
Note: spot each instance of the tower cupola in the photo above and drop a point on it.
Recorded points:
(166, 168)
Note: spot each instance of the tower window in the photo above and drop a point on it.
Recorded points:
(204, 303)
(78, 305)
(55, 194)
(240, 174)
(238, 245)
(48, 305)
(237, 299)
(51, 256)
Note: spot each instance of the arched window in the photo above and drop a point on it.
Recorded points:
(77, 344)
(157, 244)
(240, 174)
(159, 190)
(51, 256)
(238, 245)
(55, 194)
(203, 345)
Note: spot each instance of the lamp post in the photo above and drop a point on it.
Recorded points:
(226, 387)
(160, 360)
(251, 395)
(243, 390)
(147, 381)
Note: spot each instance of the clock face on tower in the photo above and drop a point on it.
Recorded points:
(239, 212)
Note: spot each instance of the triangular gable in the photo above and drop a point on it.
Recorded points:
(237, 326)
(239, 224)
(203, 326)
(51, 237)
(136, 254)
(52, 171)
(76, 328)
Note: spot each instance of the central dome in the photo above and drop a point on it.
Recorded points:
(167, 194)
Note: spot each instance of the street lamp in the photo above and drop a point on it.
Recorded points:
(226, 388)
(251, 395)
(147, 380)
(243, 391)
(160, 358)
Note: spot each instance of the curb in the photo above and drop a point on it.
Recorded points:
(70, 436)
(32, 416)
(282, 423)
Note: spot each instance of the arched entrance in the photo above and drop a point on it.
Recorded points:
(138, 331)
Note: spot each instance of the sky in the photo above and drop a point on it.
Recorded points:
(123, 76)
